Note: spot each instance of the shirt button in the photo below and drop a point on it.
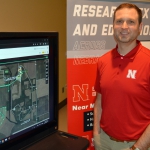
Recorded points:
(121, 57)
(125, 142)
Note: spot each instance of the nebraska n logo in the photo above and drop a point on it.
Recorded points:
(131, 74)
(80, 93)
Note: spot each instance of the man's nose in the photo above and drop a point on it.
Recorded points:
(124, 25)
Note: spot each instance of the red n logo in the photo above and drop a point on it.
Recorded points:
(80, 93)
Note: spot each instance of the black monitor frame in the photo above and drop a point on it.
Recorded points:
(50, 127)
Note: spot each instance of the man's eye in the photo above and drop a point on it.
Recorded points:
(131, 22)
(119, 21)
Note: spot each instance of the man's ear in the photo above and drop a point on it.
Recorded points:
(140, 27)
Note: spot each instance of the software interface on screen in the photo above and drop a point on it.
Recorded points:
(24, 86)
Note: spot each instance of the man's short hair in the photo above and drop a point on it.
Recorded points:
(129, 5)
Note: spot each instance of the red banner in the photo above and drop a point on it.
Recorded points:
(81, 96)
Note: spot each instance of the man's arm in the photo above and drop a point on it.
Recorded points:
(97, 114)
(143, 142)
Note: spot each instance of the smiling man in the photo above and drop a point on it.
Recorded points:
(122, 105)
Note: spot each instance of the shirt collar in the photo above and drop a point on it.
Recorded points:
(129, 55)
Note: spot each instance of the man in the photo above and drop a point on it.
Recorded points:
(122, 106)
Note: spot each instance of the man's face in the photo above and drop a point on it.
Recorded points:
(126, 26)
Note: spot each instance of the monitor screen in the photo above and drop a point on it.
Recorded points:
(28, 85)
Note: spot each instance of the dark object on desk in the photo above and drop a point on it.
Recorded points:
(61, 141)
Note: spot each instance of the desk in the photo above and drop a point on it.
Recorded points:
(60, 141)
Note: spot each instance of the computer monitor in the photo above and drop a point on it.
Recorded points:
(28, 87)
